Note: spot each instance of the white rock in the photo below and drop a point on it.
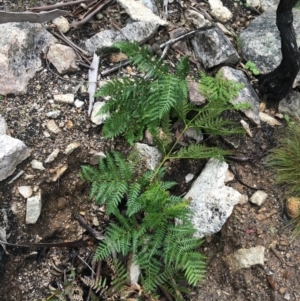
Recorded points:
(258, 197)
(71, 147)
(3, 126)
(150, 154)
(78, 103)
(52, 156)
(59, 172)
(189, 177)
(35, 164)
(52, 127)
(64, 98)
(245, 258)
(134, 272)
(98, 119)
(268, 119)
(139, 12)
(254, 3)
(12, 152)
(63, 58)
(25, 191)
(62, 24)
(211, 202)
(215, 4)
(53, 114)
(33, 208)
(222, 14)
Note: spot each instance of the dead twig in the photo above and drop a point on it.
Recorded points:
(71, 244)
(49, 7)
(94, 233)
(93, 11)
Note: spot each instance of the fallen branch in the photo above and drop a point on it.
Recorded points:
(71, 244)
(49, 7)
(42, 17)
(93, 11)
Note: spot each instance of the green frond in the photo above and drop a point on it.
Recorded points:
(218, 88)
(183, 68)
(194, 267)
(117, 240)
(140, 57)
(199, 151)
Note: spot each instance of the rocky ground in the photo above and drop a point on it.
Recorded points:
(48, 125)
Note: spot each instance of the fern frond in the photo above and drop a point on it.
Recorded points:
(183, 68)
(140, 57)
(199, 151)
(117, 239)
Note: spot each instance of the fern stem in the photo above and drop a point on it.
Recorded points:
(168, 155)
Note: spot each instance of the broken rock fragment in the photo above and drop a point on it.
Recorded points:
(63, 58)
(33, 208)
(12, 152)
(245, 258)
(213, 48)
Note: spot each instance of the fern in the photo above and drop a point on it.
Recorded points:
(146, 230)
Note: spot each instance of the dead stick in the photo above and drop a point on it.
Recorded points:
(89, 16)
(49, 7)
(71, 244)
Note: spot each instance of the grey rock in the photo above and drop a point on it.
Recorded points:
(3, 126)
(194, 95)
(267, 4)
(20, 47)
(12, 152)
(290, 105)
(137, 31)
(261, 44)
(245, 258)
(33, 208)
(211, 202)
(134, 273)
(63, 58)
(258, 197)
(151, 5)
(245, 95)
(213, 48)
(150, 155)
